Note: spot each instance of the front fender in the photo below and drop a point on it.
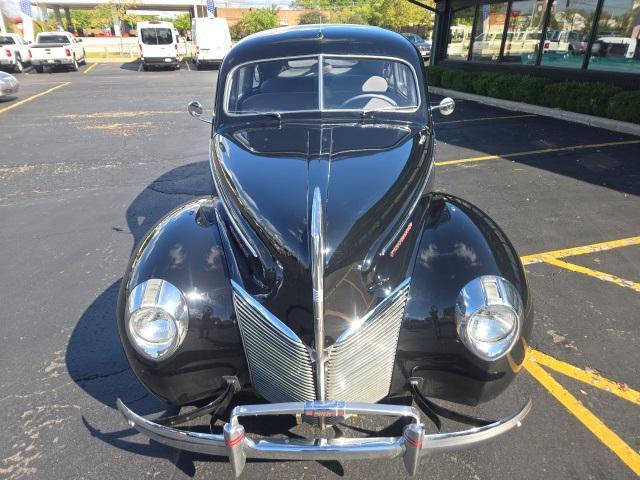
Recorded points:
(459, 243)
(185, 248)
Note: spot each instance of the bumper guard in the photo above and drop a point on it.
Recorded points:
(411, 446)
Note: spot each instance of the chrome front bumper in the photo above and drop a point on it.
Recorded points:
(238, 448)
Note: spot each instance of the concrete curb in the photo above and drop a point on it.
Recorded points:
(592, 121)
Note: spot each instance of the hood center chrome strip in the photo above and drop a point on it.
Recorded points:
(317, 274)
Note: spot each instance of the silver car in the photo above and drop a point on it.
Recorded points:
(8, 85)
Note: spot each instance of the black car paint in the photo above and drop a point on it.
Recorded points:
(185, 248)
(267, 174)
(383, 221)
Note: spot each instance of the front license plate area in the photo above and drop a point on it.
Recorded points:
(167, 60)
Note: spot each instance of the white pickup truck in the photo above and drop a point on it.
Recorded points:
(56, 49)
(14, 52)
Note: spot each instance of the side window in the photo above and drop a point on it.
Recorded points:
(256, 80)
(401, 80)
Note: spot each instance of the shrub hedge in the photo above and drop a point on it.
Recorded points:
(592, 98)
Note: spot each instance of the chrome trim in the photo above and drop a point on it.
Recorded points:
(359, 365)
(265, 313)
(162, 295)
(225, 201)
(349, 409)
(320, 83)
(229, 83)
(317, 278)
(322, 449)
(279, 363)
(482, 293)
(397, 292)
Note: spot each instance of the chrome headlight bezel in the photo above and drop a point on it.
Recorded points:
(164, 301)
(489, 296)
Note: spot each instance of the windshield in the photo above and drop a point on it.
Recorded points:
(156, 36)
(53, 39)
(5, 40)
(348, 83)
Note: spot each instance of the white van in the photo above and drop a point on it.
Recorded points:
(211, 40)
(158, 43)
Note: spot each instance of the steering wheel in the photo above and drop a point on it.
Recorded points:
(379, 96)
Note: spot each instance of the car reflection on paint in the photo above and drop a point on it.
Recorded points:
(9, 85)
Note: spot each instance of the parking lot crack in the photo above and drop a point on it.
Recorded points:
(96, 376)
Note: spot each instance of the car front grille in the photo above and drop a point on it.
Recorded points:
(279, 362)
(359, 364)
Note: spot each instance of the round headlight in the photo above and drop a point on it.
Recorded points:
(157, 319)
(488, 316)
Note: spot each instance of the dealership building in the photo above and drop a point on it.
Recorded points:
(571, 39)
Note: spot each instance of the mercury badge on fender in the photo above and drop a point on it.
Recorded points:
(324, 279)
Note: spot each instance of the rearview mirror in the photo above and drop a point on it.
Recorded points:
(195, 110)
(446, 106)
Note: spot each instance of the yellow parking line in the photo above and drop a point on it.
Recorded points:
(534, 152)
(484, 119)
(32, 97)
(603, 433)
(90, 67)
(619, 389)
(594, 273)
(569, 252)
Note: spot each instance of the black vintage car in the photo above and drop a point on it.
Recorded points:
(324, 276)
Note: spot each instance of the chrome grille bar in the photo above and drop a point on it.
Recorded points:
(360, 363)
(279, 363)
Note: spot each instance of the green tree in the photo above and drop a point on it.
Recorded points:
(104, 15)
(311, 18)
(256, 20)
(182, 22)
(392, 14)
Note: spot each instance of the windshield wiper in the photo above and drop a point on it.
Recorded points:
(275, 115)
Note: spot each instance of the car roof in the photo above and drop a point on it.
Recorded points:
(303, 40)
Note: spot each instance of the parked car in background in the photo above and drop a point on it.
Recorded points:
(562, 41)
(424, 46)
(158, 43)
(322, 277)
(53, 49)
(614, 47)
(14, 52)
(211, 40)
(8, 85)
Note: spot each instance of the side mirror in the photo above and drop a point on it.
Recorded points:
(195, 110)
(446, 106)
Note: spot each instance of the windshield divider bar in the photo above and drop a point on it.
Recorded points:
(320, 83)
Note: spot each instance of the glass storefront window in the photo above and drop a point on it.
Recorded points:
(524, 31)
(616, 47)
(460, 33)
(488, 32)
(568, 33)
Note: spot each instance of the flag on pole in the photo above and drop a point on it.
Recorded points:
(25, 7)
(211, 6)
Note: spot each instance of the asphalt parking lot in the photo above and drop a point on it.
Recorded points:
(89, 161)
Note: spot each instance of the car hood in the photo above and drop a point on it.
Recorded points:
(369, 176)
